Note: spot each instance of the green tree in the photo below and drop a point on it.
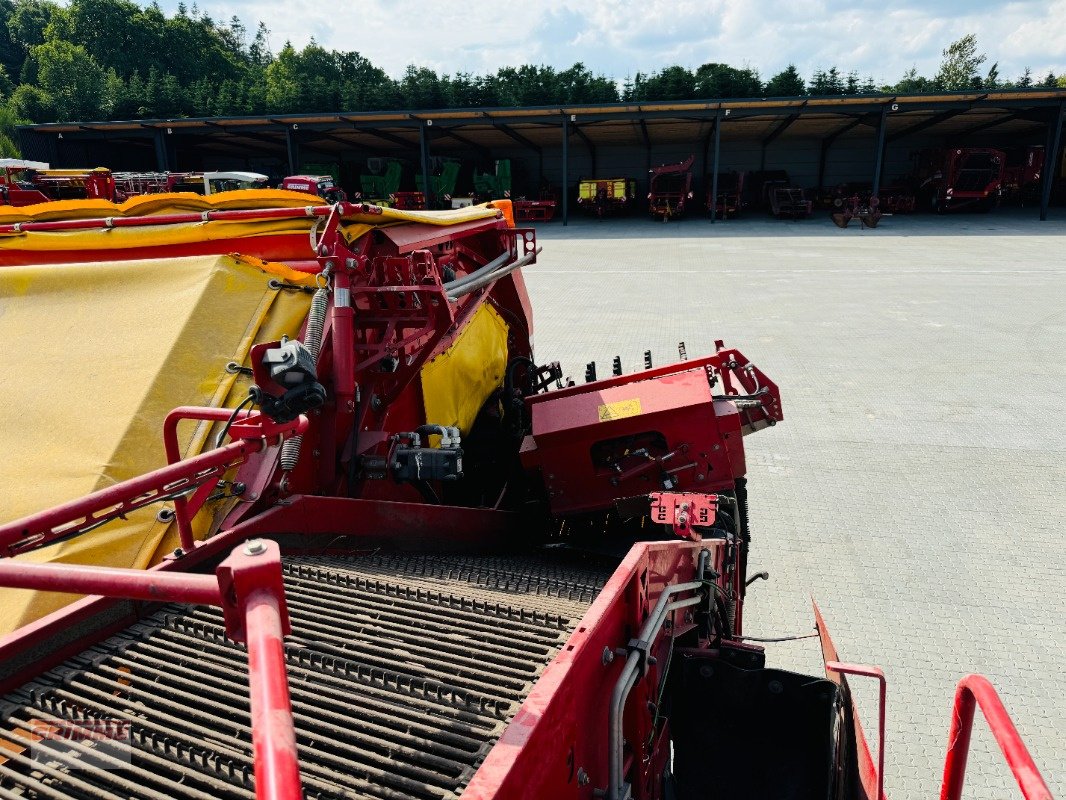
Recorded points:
(11, 53)
(1050, 82)
(27, 22)
(786, 83)
(33, 103)
(912, 83)
(72, 78)
(671, 83)
(283, 80)
(958, 70)
(722, 80)
(1026, 80)
(827, 83)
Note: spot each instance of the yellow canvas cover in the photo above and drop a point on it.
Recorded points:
(95, 357)
(113, 239)
(456, 384)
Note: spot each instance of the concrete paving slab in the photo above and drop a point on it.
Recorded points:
(917, 488)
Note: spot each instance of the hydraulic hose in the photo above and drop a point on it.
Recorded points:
(488, 278)
(316, 322)
(496, 263)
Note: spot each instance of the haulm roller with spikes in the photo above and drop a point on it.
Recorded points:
(290, 508)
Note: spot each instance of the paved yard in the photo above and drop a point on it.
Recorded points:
(917, 488)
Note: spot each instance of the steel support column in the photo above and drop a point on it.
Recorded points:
(714, 168)
(566, 169)
(423, 146)
(1051, 157)
(879, 160)
(292, 149)
(647, 143)
(162, 163)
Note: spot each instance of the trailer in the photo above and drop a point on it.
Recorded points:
(669, 189)
(959, 178)
(1022, 169)
(788, 202)
(730, 198)
(325, 525)
(606, 197)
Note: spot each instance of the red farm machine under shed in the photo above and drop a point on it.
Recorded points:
(730, 195)
(338, 532)
(670, 189)
(960, 178)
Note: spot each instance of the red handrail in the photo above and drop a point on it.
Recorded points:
(871, 672)
(976, 690)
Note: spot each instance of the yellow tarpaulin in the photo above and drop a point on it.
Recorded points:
(456, 384)
(95, 356)
(247, 199)
(106, 240)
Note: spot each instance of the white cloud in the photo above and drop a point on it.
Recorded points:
(621, 37)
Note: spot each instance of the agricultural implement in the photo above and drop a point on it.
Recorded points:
(381, 183)
(25, 183)
(606, 197)
(442, 183)
(960, 178)
(1021, 174)
(493, 185)
(207, 183)
(730, 198)
(382, 550)
(865, 208)
(320, 185)
(669, 189)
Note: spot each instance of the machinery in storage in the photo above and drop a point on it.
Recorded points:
(300, 513)
(670, 189)
(959, 178)
(25, 183)
(603, 197)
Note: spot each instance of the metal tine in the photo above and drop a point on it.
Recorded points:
(309, 714)
(474, 679)
(420, 708)
(436, 617)
(323, 695)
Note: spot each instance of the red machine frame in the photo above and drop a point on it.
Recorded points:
(669, 188)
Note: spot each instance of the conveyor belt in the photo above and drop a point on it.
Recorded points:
(404, 670)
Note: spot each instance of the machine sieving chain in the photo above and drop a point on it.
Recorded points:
(403, 671)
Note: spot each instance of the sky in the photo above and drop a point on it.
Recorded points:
(621, 37)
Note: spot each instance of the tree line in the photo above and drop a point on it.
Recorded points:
(113, 59)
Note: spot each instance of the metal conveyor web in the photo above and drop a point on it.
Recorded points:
(404, 670)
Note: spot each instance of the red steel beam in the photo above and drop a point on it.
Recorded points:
(975, 690)
(277, 771)
(159, 587)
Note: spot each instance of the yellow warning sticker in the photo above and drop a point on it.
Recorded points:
(619, 409)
